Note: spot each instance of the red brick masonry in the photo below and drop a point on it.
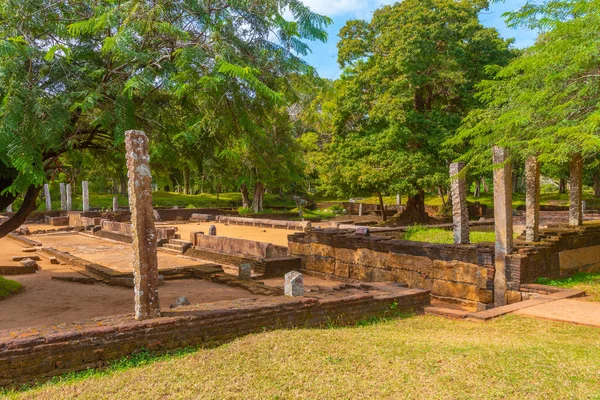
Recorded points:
(37, 354)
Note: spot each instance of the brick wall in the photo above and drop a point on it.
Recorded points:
(44, 352)
(463, 274)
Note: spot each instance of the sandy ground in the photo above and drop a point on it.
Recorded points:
(47, 301)
(568, 310)
(108, 253)
(275, 236)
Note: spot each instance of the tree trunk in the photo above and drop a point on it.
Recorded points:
(477, 192)
(257, 200)
(486, 188)
(515, 182)
(562, 185)
(382, 206)
(245, 197)
(186, 180)
(414, 213)
(29, 205)
(441, 194)
(123, 183)
(218, 190)
(597, 185)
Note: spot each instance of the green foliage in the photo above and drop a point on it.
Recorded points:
(443, 236)
(545, 101)
(8, 287)
(408, 81)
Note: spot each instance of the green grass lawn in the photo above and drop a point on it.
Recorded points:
(8, 287)
(443, 236)
(412, 358)
(590, 283)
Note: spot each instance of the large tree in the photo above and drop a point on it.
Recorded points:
(408, 80)
(77, 74)
(545, 102)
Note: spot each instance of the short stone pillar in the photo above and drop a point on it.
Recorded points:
(86, 196)
(115, 203)
(294, 284)
(360, 208)
(47, 197)
(212, 231)
(63, 196)
(398, 200)
(145, 260)
(576, 191)
(532, 199)
(503, 220)
(9, 208)
(69, 198)
(460, 211)
(245, 272)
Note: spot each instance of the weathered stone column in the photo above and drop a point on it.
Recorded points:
(360, 207)
(86, 196)
(115, 203)
(63, 197)
(576, 193)
(503, 221)
(460, 212)
(69, 198)
(145, 261)
(532, 199)
(47, 197)
(398, 200)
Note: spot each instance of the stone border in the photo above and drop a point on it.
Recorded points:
(37, 354)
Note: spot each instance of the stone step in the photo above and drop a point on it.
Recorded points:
(180, 242)
(170, 251)
(172, 246)
(446, 312)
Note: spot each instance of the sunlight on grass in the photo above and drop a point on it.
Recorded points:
(443, 236)
(590, 283)
(8, 287)
(410, 358)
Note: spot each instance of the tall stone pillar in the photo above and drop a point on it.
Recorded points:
(576, 193)
(503, 221)
(47, 197)
(86, 196)
(145, 261)
(460, 212)
(69, 198)
(63, 197)
(398, 200)
(115, 203)
(360, 207)
(532, 199)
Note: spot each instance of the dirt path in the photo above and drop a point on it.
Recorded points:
(579, 312)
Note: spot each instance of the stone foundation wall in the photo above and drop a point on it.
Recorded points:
(243, 248)
(265, 223)
(561, 252)
(126, 229)
(458, 273)
(39, 354)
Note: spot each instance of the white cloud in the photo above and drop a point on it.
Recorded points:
(356, 8)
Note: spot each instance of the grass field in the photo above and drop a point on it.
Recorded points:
(8, 287)
(443, 236)
(412, 358)
(590, 283)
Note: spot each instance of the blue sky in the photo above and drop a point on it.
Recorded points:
(324, 55)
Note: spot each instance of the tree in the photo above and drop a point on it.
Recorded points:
(545, 102)
(408, 81)
(76, 74)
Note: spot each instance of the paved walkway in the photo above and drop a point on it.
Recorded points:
(579, 312)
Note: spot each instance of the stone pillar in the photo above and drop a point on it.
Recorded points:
(532, 200)
(145, 260)
(398, 200)
(69, 198)
(575, 192)
(86, 196)
(245, 272)
(460, 212)
(503, 220)
(63, 197)
(360, 209)
(115, 203)
(9, 208)
(294, 284)
(47, 197)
